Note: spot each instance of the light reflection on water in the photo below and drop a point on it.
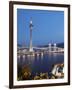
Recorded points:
(41, 62)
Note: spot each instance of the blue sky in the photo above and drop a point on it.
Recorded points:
(48, 26)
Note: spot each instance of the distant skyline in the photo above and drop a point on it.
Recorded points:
(48, 26)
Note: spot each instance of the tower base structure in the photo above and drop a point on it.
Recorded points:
(31, 50)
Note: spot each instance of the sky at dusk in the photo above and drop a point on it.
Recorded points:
(48, 26)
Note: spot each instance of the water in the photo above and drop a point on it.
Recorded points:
(41, 63)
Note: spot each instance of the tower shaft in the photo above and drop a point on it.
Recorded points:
(31, 48)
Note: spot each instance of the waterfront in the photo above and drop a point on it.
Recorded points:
(39, 63)
(40, 45)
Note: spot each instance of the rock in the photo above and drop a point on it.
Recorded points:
(36, 77)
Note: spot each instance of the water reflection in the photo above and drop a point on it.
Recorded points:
(42, 56)
(32, 57)
(55, 54)
(40, 62)
(37, 56)
(23, 58)
(18, 56)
